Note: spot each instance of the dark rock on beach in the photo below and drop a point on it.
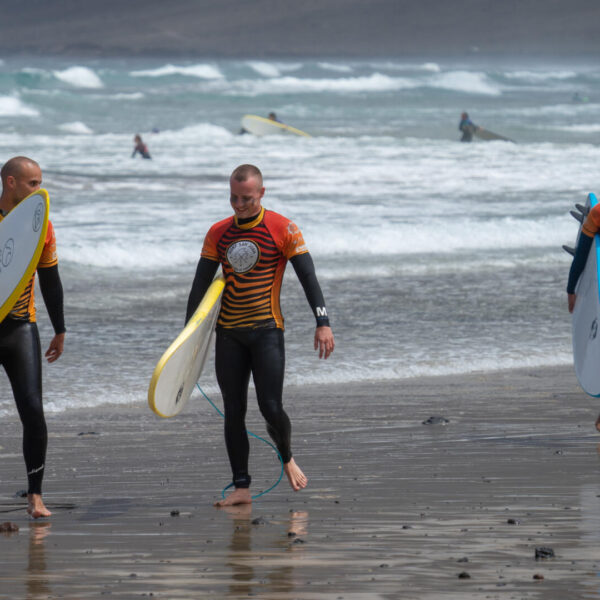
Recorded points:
(544, 552)
(436, 420)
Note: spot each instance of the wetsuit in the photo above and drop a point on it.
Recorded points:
(142, 149)
(21, 357)
(589, 229)
(468, 128)
(253, 254)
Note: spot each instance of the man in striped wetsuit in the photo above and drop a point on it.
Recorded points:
(253, 247)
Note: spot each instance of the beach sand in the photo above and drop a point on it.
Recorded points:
(394, 508)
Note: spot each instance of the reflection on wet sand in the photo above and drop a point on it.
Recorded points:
(253, 573)
(38, 585)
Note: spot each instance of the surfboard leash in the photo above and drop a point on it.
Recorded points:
(258, 438)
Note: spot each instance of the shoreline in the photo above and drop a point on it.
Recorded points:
(394, 508)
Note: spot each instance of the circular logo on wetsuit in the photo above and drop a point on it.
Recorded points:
(38, 216)
(242, 255)
(8, 252)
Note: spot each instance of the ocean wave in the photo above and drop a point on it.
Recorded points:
(76, 127)
(465, 81)
(411, 367)
(375, 82)
(540, 76)
(202, 71)
(264, 68)
(11, 106)
(338, 68)
(81, 77)
(583, 128)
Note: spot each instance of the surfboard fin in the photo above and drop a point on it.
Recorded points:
(584, 210)
(576, 215)
(569, 249)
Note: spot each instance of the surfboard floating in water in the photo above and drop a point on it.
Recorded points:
(261, 126)
(22, 237)
(179, 368)
(486, 134)
(586, 314)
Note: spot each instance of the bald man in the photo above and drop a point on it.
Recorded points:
(252, 247)
(20, 350)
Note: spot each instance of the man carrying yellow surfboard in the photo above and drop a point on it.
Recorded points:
(253, 247)
(20, 352)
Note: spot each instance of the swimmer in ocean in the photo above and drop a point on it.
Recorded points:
(140, 147)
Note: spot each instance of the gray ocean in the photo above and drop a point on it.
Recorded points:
(435, 257)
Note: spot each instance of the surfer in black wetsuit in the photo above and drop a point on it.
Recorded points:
(253, 247)
(20, 352)
(140, 147)
(467, 127)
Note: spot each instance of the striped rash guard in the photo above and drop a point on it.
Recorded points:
(253, 256)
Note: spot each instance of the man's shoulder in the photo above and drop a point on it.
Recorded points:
(275, 219)
(221, 225)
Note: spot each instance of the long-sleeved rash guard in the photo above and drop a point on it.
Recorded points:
(253, 254)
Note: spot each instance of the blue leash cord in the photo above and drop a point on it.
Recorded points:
(258, 438)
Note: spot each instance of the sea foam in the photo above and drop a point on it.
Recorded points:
(81, 77)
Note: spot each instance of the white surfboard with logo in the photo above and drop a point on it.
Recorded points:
(22, 237)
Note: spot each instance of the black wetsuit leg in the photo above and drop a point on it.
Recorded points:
(268, 367)
(21, 357)
(260, 351)
(232, 365)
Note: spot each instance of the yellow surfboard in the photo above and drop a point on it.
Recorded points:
(179, 368)
(261, 126)
(22, 237)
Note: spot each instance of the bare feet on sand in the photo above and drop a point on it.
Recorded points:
(295, 475)
(238, 496)
(35, 506)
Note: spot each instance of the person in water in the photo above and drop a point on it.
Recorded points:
(252, 247)
(467, 127)
(590, 227)
(140, 147)
(20, 352)
(273, 117)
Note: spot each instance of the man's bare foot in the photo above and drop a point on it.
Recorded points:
(238, 496)
(598, 423)
(35, 506)
(295, 475)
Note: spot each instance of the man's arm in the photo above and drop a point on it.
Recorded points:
(52, 292)
(205, 273)
(305, 270)
(581, 253)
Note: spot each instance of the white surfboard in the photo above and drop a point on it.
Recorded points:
(261, 126)
(586, 318)
(180, 366)
(486, 134)
(22, 237)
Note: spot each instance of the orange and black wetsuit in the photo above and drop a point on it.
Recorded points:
(589, 229)
(253, 254)
(21, 357)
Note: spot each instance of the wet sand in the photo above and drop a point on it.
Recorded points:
(394, 508)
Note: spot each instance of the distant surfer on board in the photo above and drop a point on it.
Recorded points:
(253, 247)
(467, 127)
(140, 147)
(20, 352)
(589, 228)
